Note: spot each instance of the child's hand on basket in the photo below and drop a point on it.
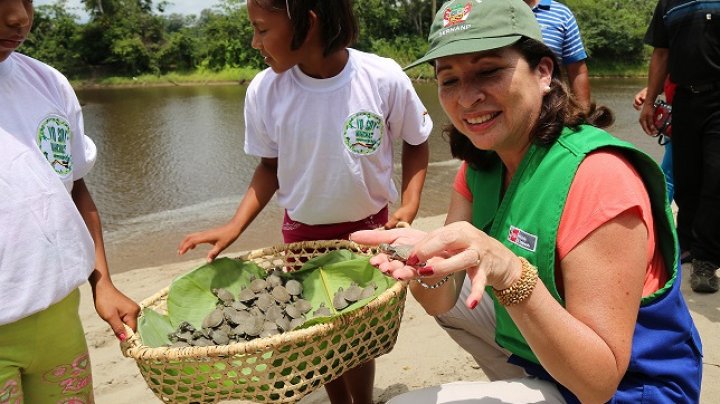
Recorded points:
(115, 308)
(402, 217)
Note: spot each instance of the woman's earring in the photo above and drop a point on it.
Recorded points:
(547, 89)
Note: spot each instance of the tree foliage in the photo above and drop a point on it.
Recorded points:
(56, 38)
(613, 29)
(131, 37)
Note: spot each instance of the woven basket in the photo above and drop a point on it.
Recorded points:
(282, 368)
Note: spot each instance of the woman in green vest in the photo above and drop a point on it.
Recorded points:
(558, 265)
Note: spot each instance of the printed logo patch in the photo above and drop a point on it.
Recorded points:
(456, 14)
(522, 239)
(363, 132)
(53, 139)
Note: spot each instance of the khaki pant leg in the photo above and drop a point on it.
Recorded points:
(474, 331)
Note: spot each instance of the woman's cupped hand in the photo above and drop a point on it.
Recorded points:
(455, 247)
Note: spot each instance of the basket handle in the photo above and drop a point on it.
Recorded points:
(132, 341)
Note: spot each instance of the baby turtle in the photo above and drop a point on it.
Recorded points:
(258, 285)
(368, 291)
(353, 292)
(255, 326)
(294, 287)
(214, 319)
(281, 294)
(220, 337)
(303, 305)
(283, 323)
(297, 322)
(270, 328)
(179, 344)
(339, 301)
(322, 311)
(396, 252)
(273, 313)
(224, 295)
(246, 296)
(236, 317)
(274, 280)
(264, 301)
(185, 326)
(293, 311)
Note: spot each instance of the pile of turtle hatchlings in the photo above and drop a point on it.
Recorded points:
(266, 307)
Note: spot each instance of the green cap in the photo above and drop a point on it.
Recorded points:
(469, 26)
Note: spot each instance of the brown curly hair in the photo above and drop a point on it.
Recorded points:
(559, 109)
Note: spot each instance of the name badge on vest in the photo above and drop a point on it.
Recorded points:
(522, 239)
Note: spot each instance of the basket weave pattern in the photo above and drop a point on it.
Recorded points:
(278, 369)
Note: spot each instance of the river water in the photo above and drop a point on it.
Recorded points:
(171, 161)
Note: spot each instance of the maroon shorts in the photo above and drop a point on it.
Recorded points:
(295, 231)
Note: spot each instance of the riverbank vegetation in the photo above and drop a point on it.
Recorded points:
(131, 42)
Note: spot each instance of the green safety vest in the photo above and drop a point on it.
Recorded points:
(526, 218)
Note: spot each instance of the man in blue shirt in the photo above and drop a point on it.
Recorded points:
(561, 34)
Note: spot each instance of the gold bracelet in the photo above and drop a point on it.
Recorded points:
(522, 288)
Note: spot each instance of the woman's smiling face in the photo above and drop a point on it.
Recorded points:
(493, 97)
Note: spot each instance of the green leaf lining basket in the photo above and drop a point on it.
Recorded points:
(282, 368)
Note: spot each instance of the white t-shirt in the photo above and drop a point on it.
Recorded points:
(41, 110)
(46, 250)
(333, 138)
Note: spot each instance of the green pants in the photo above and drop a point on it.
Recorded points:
(44, 357)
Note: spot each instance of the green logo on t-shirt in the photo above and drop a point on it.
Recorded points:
(363, 132)
(53, 139)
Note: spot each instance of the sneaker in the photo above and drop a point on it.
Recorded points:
(703, 277)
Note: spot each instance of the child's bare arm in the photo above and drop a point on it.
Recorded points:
(261, 189)
(415, 160)
(111, 304)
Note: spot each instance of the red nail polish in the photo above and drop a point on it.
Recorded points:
(473, 304)
(412, 260)
(122, 337)
(426, 271)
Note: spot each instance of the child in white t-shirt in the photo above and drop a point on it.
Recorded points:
(51, 238)
(323, 119)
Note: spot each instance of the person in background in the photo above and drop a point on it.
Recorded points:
(323, 119)
(51, 239)
(684, 37)
(561, 33)
(666, 164)
(557, 268)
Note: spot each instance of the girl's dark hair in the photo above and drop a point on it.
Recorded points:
(559, 109)
(338, 25)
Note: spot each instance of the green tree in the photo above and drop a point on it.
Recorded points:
(227, 38)
(131, 37)
(55, 38)
(179, 51)
(124, 35)
(613, 30)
